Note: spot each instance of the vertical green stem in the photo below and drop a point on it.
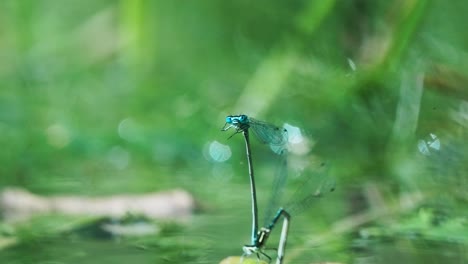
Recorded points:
(253, 191)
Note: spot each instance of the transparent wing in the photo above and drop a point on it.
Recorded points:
(311, 189)
(279, 183)
(269, 134)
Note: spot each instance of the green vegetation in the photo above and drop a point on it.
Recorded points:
(108, 97)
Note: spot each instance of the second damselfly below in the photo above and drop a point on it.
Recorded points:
(312, 188)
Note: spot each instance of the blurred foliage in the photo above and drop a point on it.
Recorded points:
(102, 97)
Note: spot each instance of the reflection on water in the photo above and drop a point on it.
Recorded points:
(401, 251)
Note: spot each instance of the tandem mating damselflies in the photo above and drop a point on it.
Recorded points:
(277, 138)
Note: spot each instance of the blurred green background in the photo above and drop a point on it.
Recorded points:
(107, 97)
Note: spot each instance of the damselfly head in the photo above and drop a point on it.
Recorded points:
(231, 121)
(236, 119)
(250, 249)
(239, 122)
(253, 249)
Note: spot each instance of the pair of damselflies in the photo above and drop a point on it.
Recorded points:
(277, 139)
